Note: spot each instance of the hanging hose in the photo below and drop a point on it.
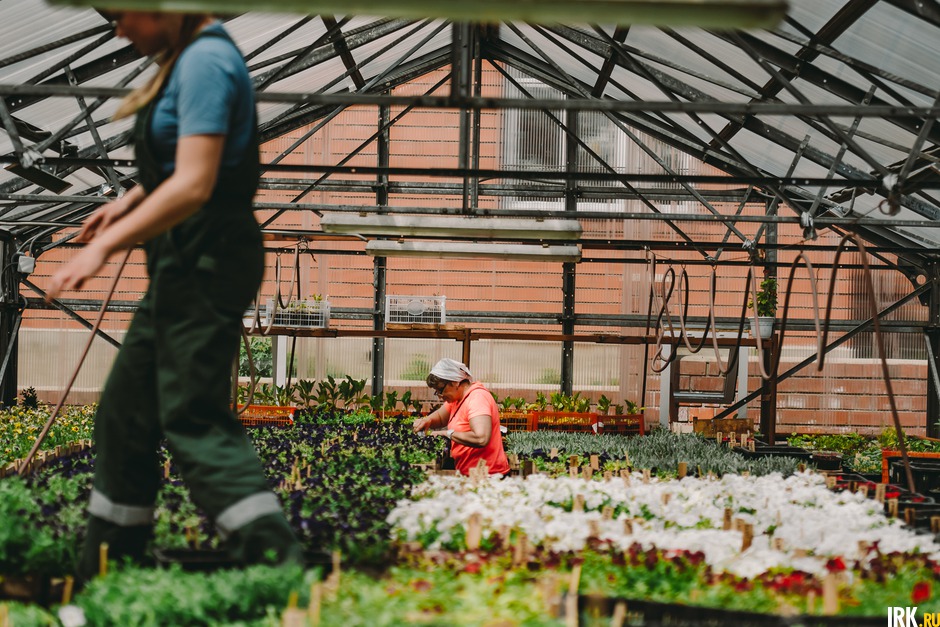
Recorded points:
(68, 388)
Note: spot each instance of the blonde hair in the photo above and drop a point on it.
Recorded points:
(188, 28)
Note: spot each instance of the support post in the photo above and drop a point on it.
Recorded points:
(9, 315)
(380, 264)
(568, 269)
(932, 337)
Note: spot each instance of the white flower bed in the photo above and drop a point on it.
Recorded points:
(813, 523)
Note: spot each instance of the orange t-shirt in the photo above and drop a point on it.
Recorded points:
(477, 402)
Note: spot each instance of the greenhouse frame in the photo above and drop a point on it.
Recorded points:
(591, 202)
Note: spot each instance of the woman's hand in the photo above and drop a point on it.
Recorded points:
(421, 424)
(72, 275)
(109, 214)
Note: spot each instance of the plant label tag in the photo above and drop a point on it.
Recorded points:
(474, 531)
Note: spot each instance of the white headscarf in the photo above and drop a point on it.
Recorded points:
(451, 370)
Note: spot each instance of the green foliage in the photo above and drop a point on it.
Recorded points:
(29, 399)
(20, 426)
(417, 369)
(261, 355)
(25, 546)
(151, 598)
(540, 404)
(35, 616)
(510, 403)
(549, 376)
(661, 451)
(766, 297)
(573, 403)
(633, 408)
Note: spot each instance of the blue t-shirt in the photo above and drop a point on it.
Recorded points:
(209, 93)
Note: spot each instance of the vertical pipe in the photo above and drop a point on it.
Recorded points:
(9, 314)
(568, 269)
(768, 401)
(460, 89)
(380, 264)
(477, 92)
(932, 336)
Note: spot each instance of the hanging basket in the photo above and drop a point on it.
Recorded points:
(298, 314)
(415, 310)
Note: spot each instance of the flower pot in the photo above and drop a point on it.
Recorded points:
(764, 328)
(827, 460)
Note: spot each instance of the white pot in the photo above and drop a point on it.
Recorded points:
(765, 327)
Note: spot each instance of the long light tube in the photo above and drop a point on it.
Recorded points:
(462, 250)
(451, 226)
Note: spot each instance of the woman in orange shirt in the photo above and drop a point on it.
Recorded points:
(469, 418)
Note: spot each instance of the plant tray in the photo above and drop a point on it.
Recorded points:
(651, 613)
(625, 424)
(565, 421)
(268, 416)
(299, 314)
(888, 455)
(517, 420)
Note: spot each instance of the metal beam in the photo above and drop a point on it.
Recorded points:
(704, 13)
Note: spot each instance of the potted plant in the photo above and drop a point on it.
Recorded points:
(764, 305)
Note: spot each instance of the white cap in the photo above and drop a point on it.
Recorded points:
(451, 370)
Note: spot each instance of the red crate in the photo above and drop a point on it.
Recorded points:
(517, 420)
(621, 424)
(267, 416)
(565, 421)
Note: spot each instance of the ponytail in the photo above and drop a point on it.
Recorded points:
(188, 29)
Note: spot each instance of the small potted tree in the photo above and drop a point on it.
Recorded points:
(765, 308)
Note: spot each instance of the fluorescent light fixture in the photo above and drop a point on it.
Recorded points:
(704, 13)
(455, 250)
(451, 226)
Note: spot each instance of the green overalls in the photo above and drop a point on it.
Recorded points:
(171, 379)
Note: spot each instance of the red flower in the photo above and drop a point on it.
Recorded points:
(472, 568)
(835, 565)
(921, 592)
(421, 585)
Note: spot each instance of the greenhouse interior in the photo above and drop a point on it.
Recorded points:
(689, 248)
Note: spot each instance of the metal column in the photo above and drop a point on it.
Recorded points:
(568, 269)
(10, 312)
(932, 337)
(380, 264)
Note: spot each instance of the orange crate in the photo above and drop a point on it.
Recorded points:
(565, 421)
(623, 424)
(887, 455)
(517, 420)
(267, 416)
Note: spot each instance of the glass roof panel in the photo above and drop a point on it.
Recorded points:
(897, 42)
